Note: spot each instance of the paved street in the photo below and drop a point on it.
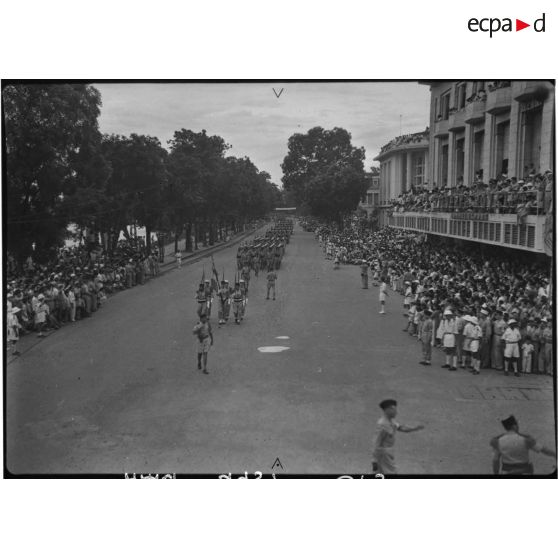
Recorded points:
(121, 392)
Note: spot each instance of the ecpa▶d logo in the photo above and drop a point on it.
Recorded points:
(493, 25)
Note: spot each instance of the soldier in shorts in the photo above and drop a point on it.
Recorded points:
(205, 339)
(271, 278)
(511, 338)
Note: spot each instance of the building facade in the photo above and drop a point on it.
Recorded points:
(483, 129)
(372, 200)
(403, 165)
(484, 134)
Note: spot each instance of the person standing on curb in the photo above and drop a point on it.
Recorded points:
(511, 338)
(383, 295)
(427, 338)
(511, 450)
(447, 331)
(364, 274)
(205, 340)
(384, 461)
(12, 328)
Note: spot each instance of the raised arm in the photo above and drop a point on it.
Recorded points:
(405, 428)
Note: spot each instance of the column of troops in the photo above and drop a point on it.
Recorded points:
(262, 253)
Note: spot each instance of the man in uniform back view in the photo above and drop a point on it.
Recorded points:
(511, 450)
(271, 278)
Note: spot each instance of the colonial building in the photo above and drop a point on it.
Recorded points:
(372, 200)
(489, 128)
(483, 130)
(403, 164)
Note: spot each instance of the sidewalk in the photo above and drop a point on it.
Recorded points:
(196, 255)
(28, 341)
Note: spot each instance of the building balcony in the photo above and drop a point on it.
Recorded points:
(531, 90)
(474, 112)
(496, 229)
(499, 100)
(457, 121)
(441, 128)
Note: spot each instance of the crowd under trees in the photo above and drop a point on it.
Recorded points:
(61, 170)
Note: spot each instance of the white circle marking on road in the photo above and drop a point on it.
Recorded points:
(277, 349)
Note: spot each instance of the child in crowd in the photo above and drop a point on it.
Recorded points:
(527, 350)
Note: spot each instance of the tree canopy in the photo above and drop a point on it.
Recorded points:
(62, 170)
(52, 149)
(325, 172)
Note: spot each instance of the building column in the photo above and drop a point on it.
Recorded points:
(451, 158)
(487, 163)
(434, 158)
(467, 156)
(513, 144)
(547, 135)
(409, 168)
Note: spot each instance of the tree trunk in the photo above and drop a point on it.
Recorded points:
(148, 239)
(196, 235)
(211, 227)
(176, 235)
(188, 237)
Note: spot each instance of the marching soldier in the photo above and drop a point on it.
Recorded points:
(245, 274)
(244, 291)
(201, 299)
(230, 291)
(223, 300)
(208, 296)
(205, 339)
(237, 302)
(271, 279)
(256, 262)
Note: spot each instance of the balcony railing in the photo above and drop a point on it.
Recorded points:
(502, 230)
(474, 111)
(457, 121)
(441, 128)
(499, 100)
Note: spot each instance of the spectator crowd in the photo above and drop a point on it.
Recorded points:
(494, 292)
(73, 285)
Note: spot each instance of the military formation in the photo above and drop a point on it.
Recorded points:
(261, 254)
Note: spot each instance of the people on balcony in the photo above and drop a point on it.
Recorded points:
(531, 195)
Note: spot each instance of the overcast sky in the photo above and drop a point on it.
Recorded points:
(258, 124)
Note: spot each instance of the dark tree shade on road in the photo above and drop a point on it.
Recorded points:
(325, 172)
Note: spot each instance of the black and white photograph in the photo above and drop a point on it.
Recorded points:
(279, 279)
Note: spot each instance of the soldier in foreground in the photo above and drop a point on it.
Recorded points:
(384, 461)
(511, 450)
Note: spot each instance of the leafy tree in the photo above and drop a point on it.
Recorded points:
(325, 172)
(51, 132)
